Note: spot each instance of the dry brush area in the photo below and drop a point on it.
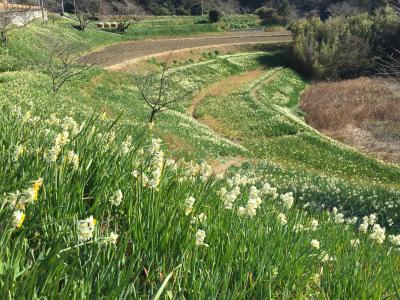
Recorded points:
(362, 112)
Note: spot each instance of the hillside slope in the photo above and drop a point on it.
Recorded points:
(95, 205)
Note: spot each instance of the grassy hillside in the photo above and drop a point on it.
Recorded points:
(41, 36)
(303, 217)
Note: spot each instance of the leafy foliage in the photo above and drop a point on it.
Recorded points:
(343, 47)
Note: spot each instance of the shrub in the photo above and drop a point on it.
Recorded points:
(343, 47)
(214, 15)
(270, 15)
(181, 11)
(162, 11)
(196, 10)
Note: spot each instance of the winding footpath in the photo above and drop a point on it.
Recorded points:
(118, 57)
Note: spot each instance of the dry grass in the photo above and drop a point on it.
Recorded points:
(362, 112)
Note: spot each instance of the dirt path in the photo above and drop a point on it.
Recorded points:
(117, 56)
(220, 167)
(224, 87)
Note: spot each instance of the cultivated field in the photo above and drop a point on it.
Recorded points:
(112, 56)
(230, 194)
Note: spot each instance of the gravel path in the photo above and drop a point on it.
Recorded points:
(128, 51)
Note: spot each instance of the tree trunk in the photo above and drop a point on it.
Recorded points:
(42, 9)
(152, 116)
(3, 38)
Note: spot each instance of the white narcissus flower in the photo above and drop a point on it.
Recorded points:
(18, 219)
(378, 234)
(189, 205)
(282, 219)
(315, 244)
(86, 228)
(339, 218)
(363, 227)
(241, 211)
(18, 152)
(113, 238)
(355, 243)
(314, 224)
(117, 198)
(73, 159)
(126, 145)
(200, 237)
(287, 200)
(395, 239)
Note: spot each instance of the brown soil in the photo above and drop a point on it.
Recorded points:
(363, 112)
(224, 87)
(219, 167)
(175, 142)
(116, 57)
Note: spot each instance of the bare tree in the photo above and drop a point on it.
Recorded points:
(229, 7)
(389, 66)
(344, 9)
(64, 63)
(126, 12)
(13, 17)
(86, 11)
(396, 7)
(157, 90)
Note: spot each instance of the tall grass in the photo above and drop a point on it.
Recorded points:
(153, 241)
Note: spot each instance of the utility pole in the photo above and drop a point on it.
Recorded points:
(202, 7)
(62, 7)
(42, 8)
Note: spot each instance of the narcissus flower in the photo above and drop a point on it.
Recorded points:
(287, 200)
(18, 219)
(378, 234)
(282, 219)
(189, 205)
(117, 198)
(314, 224)
(36, 187)
(86, 228)
(315, 244)
(200, 237)
(355, 243)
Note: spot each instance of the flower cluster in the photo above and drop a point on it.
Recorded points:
(253, 203)
(229, 198)
(126, 145)
(116, 198)
(85, 229)
(60, 140)
(200, 237)
(19, 200)
(157, 164)
(189, 205)
(287, 200)
(73, 159)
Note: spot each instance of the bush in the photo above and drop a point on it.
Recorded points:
(214, 15)
(181, 11)
(162, 11)
(270, 15)
(196, 10)
(343, 47)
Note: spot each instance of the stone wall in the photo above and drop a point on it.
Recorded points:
(21, 15)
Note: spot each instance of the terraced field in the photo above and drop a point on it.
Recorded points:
(240, 199)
